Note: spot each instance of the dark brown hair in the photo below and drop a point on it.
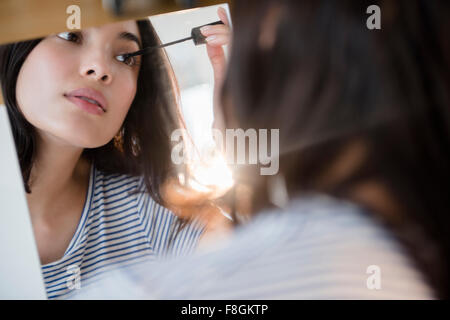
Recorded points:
(327, 83)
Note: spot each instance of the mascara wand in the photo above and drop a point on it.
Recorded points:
(196, 36)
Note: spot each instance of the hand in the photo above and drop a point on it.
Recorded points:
(216, 37)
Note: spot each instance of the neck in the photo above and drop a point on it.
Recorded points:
(58, 171)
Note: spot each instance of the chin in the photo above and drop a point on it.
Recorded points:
(86, 134)
(89, 142)
(82, 138)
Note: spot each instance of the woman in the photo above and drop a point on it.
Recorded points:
(84, 121)
(364, 124)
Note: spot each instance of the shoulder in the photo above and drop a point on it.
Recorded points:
(346, 252)
(317, 248)
(336, 249)
(109, 183)
(114, 189)
(111, 189)
(165, 232)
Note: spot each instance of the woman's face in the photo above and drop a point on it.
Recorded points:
(67, 75)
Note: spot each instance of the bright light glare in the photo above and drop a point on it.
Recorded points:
(211, 175)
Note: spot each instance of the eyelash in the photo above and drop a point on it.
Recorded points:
(133, 59)
(68, 36)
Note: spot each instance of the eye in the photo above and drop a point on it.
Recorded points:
(126, 59)
(70, 36)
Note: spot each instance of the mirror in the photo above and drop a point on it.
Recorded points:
(89, 119)
(192, 85)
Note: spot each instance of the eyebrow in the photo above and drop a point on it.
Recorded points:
(130, 36)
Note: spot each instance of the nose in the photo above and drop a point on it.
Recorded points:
(96, 68)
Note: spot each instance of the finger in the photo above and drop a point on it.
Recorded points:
(218, 40)
(219, 29)
(217, 57)
(223, 16)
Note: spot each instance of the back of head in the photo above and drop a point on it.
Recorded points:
(354, 107)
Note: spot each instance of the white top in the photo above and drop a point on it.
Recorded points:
(117, 228)
(319, 248)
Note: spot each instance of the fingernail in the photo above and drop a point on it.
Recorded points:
(211, 38)
(204, 29)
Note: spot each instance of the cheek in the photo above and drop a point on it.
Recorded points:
(124, 93)
(39, 81)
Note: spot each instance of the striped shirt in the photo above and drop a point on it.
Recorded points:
(319, 248)
(118, 227)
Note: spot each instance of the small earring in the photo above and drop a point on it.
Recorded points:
(135, 146)
(118, 140)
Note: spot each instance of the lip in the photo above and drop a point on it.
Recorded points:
(76, 96)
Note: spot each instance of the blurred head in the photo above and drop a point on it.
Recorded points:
(362, 114)
(46, 83)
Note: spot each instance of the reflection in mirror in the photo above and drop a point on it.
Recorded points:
(195, 79)
(92, 124)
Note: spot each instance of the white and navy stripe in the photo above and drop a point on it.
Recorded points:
(117, 228)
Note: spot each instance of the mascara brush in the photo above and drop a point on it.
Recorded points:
(196, 36)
